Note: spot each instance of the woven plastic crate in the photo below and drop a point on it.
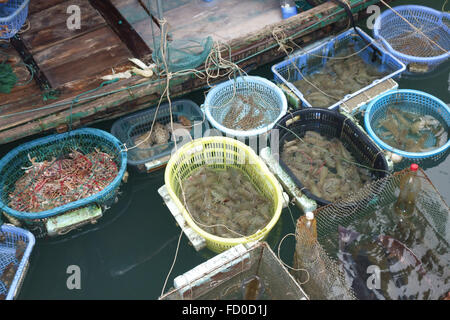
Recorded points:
(409, 45)
(331, 124)
(421, 103)
(53, 146)
(8, 255)
(218, 104)
(220, 153)
(312, 61)
(13, 14)
(127, 128)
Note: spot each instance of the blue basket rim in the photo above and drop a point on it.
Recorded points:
(25, 257)
(418, 155)
(377, 27)
(242, 133)
(349, 96)
(18, 10)
(192, 104)
(75, 204)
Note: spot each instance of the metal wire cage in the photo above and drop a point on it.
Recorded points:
(223, 277)
(13, 14)
(51, 147)
(416, 35)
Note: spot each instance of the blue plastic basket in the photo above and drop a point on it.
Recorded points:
(217, 103)
(313, 60)
(434, 24)
(8, 255)
(422, 104)
(53, 146)
(12, 17)
(129, 127)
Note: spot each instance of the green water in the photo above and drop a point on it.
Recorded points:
(127, 255)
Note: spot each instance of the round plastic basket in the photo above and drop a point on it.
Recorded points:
(219, 102)
(13, 14)
(331, 124)
(220, 153)
(414, 101)
(85, 140)
(409, 45)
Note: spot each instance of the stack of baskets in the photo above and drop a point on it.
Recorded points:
(13, 165)
(13, 14)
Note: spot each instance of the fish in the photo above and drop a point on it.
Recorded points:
(355, 267)
(252, 288)
(20, 249)
(399, 251)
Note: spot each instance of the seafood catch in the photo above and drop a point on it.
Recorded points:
(409, 131)
(344, 74)
(52, 183)
(225, 202)
(325, 167)
(245, 114)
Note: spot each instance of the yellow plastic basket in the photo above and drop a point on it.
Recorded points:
(220, 153)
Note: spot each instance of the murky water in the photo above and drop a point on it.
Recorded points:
(127, 255)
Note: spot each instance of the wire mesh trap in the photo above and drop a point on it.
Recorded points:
(59, 173)
(145, 146)
(13, 14)
(417, 35)
(15, 248)
(410, 123)
(335, 71)
(244, 107)
(244, 272)
(410, 252)
(220, 155)
(324, 152)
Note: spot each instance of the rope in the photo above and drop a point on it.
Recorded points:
(288, 266)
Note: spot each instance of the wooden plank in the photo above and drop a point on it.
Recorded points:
(122, 28)
(50, 25)
(36, 6)
(67, 52)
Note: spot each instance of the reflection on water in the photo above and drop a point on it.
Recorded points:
(412, 258)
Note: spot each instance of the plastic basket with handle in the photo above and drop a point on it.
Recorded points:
(428, 47)
(414, 101)
(219, 100)
(13, 14)
(220, 153)
(9, 237)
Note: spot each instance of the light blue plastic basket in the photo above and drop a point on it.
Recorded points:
(422, 104)
(311, 61)
(8, 255)
(217, 103)
(12, 17)
(434, 24)
(53, 146)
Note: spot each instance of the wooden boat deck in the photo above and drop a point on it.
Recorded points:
(72, 62)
